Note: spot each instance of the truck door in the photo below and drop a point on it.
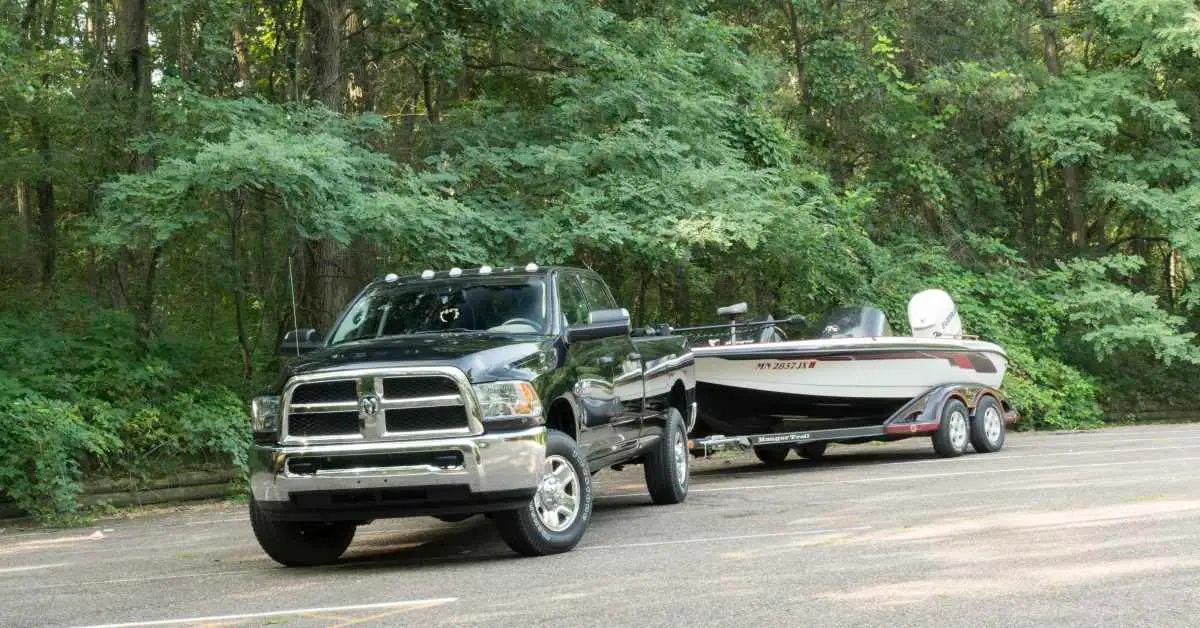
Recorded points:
(628, 380)
(593, 370)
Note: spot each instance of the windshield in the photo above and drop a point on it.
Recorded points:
(514, 306)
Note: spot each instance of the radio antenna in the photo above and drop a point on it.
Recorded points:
(295, 316)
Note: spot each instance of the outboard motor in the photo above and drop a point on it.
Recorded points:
(932, 314)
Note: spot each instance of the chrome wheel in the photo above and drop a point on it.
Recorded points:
(992, 424)
(557, 499)
(681, 460)
(958, 430)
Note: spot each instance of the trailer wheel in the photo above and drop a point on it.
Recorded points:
(771, 456)
(987, 427)
(951, 437)
(812, 451)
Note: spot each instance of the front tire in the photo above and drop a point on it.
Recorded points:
(950, 439)
(299, 544)
(559, 512)
(666, 466)
(987, 428)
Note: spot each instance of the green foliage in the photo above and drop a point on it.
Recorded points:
(74, 400)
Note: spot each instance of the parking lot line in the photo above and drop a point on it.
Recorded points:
(32, 567)
(282, 613)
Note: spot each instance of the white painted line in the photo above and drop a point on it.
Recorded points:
(715, 539)
(297, 611)
(32, 567)
(800, 483)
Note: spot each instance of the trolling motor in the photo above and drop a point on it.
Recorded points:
(732, 311)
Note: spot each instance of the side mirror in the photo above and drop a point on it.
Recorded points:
(300, 341)
(601, 324)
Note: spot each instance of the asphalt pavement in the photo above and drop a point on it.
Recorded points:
(1097, 528)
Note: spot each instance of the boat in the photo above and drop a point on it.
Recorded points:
(856, 380)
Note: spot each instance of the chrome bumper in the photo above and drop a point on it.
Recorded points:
(492, 463)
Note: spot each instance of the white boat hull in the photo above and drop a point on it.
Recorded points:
(852, 368)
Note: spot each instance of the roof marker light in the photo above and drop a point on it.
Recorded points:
(455, 272)
(485, 270)
(391, 277)
(427, 274)
(531, 267)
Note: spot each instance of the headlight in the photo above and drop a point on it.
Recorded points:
(264, 414)
(509, 404)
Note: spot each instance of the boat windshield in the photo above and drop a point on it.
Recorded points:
(503, 305)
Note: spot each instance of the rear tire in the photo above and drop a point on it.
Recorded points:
(987, 427)
(812, 451)
(299, 544)
(666, 466)
(950, 439)
(558, 514)
(771, 455)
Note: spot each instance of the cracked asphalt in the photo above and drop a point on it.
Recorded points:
(1085, 528)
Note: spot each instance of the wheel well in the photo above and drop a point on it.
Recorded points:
(678, 399)
(562, 418)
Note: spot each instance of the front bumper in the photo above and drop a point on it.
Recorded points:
(495, 470)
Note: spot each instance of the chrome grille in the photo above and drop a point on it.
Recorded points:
(380, 404)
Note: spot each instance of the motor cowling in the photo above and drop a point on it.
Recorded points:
(932, 314)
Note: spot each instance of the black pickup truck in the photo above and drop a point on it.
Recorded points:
(449, 394)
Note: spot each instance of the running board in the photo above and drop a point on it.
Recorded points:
(719, 441)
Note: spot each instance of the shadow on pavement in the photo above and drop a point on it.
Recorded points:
(474, 540)
(833, 460)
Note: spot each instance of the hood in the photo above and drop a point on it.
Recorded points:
(483, 357)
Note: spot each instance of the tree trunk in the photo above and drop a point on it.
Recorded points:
(28, 225)
(1072, 221)
(239, 55)
(233, 208)
(134, 61)
(330, 264)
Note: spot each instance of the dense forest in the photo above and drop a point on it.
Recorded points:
(170, 170)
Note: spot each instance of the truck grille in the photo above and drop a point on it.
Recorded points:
(323, 424)
(421, 419)
(380, 405)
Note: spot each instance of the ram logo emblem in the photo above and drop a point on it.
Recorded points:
(368, 406)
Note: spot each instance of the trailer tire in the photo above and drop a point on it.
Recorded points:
(951, 438)
(987, 426)
(525, 530)
(772, 456)
(667, 464)
(812, 451)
